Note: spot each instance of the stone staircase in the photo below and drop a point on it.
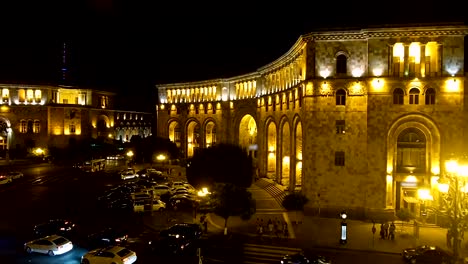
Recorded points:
(278, 192)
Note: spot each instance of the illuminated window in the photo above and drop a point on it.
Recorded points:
(339, 158)
(38, 96)
(341, 64)
(341, 97)
(104, 101)
(340, 126)
(29, 95)
(398, 59)
(414, 96)
(118, 116)
(23, 126)
(411, 151)
(398, 96)
(37, 126)
(72, 129)
(430, 96)
(5, 95)
(21, 95)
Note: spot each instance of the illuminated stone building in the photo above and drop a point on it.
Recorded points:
(357, 120)
(42, 116)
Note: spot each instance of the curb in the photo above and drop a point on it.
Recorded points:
(314, 247)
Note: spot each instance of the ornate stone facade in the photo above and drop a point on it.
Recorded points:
(357, 120)
(43, 116)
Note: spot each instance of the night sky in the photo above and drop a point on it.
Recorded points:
(130, 45)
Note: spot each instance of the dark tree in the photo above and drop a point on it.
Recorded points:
(295, 202)
(222, 163)
(228, 200)
(146, 148)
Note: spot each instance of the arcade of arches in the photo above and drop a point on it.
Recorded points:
(283, 143)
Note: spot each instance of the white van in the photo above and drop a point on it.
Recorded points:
(161, 189)
(145, 205)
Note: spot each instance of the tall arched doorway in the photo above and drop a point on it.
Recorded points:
(4, 139)
(248, 135)
(271, 150)
(174, 133)
(193, 138)
(411, 160)
(285, 154)
(210, 134)
(298, 146)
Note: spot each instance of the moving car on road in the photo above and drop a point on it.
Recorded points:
(50, 245)
(54, 227)
(427, 254)
(15, 174)
(183, 230)
(107, 237)
(109, 255)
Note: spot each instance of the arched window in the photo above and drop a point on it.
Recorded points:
(37, 126)
(430, 96)
(414, 96)
(341, 64)
(398, 96)
(411, 151)
(340, 97)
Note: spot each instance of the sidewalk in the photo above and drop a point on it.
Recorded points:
(316, 232)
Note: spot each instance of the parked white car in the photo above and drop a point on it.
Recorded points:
(161, 189)
(116, 255)
(15, 174)
(128, 174)
(140, 206)
(50, 245)
(4, 179)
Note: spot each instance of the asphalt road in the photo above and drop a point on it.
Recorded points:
(48, 191)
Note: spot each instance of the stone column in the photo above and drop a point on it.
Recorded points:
(406, 59)
(439, 59)
(422, 61)
(390, 60)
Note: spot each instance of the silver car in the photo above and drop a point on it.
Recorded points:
(50, 245)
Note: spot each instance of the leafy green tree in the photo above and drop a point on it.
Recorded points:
(295, 202)
(222, 163)
(228, 200)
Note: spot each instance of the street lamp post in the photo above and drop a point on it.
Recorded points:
(452, 187)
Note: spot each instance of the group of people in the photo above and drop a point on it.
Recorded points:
(387, 231)
(272, 227)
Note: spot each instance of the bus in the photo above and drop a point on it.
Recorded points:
(94, 165)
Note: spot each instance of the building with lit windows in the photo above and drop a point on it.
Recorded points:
(42, 116)
(357, 120)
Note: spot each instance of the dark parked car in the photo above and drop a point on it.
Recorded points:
(171, 246)
(182, 202)
(55, 227)
(427, 254)
(183, 230)
(107, 237)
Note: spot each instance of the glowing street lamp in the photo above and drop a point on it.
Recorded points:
(161, 157)
(130, 154)
(453, 189)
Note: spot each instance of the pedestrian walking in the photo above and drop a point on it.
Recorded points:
(286, 232)
(276, 229)
(260, 231)
(382, 231)
(391, 231)
(205, 226)
(270, 226)
(386, 226)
